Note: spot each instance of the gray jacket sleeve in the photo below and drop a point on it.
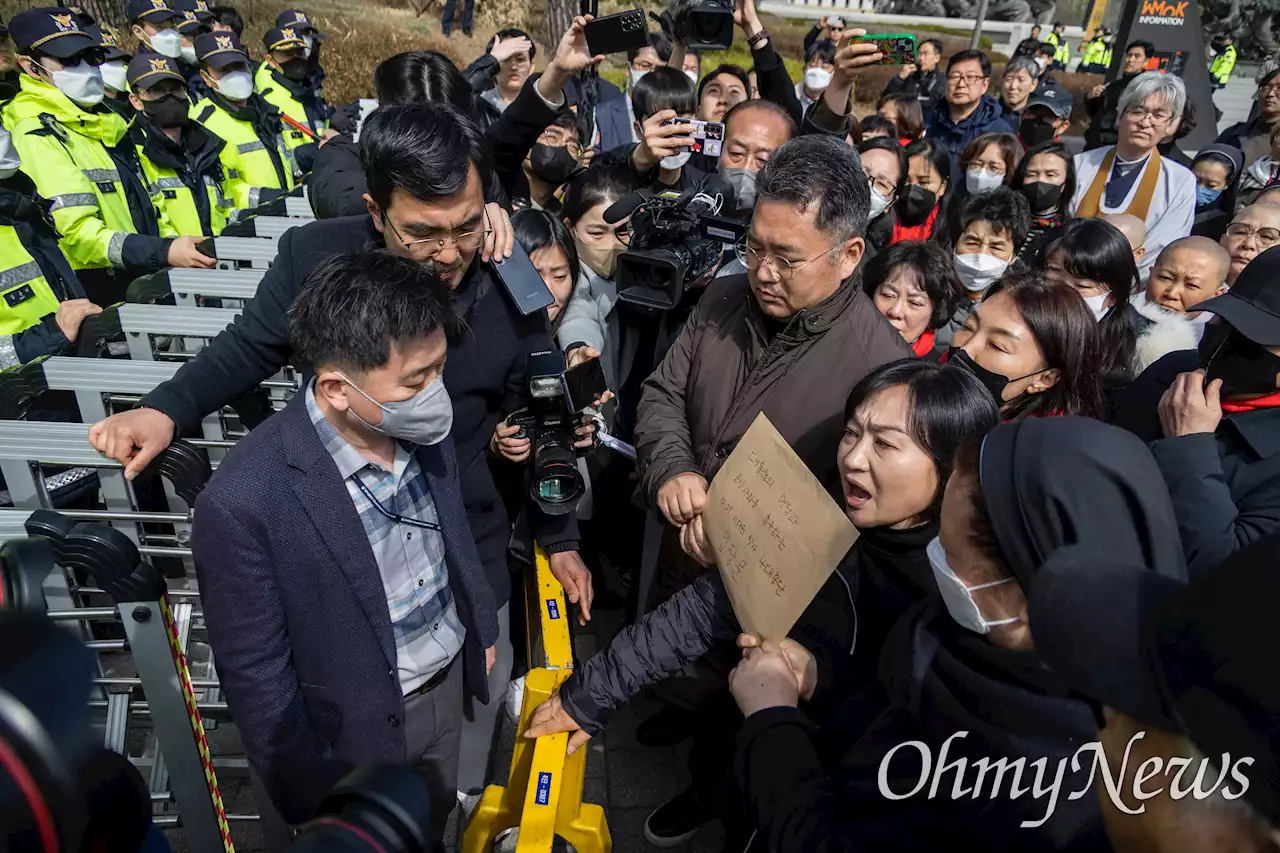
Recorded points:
(582, 323)
(688, 625)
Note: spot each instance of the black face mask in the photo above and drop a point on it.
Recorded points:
(1033, 131)
(1041, 196)
(995, 383)
(167, 112)
(1243, 366)
(552, 163)
(915, 203)
(294, 69)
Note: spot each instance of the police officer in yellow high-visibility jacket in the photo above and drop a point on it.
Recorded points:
(1062, 51)
(1094, 54)
(1225, 60)
(249, 125)
(41, 302)
(63, 136)
(181, 161)
(283, 80)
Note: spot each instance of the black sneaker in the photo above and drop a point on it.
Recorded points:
(676, 821)
(666, 727)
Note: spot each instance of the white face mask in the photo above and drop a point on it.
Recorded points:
(189, 54)
(878, 203)
(167, 42)
(978, 271)
(1098, 305)
(675, 161)
(114, 75)
(634, 76)
(957, 596)
(310, 42)
(235, 85)
(816, 78)
(693, 76)
(9, 160)
(81, 83)
(981, 180)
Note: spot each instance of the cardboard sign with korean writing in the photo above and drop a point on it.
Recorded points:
(776, 533)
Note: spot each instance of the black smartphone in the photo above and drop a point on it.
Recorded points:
(520, 277)
(616, 33)
(586, 384)
(205, 247)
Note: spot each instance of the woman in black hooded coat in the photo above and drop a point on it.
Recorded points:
(1015, 498)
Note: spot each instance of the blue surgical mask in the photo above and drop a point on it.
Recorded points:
(1204, 195)
(425, 418)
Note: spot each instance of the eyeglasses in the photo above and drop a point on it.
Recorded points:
(880, 185)
(967, 79)
(1139, 114)
(782, 267)
(467, 241)
(1265, 236)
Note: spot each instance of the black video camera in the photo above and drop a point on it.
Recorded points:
(555, 483)
(704, 24)
(674, 240)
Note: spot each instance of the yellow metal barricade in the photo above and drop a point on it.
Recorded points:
(543, 794)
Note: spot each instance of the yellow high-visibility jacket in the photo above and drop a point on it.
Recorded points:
(258, 163)
(64, 151)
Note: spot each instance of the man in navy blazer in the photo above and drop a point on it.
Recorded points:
(343, 593)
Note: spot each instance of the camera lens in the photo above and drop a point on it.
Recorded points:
(557, 484)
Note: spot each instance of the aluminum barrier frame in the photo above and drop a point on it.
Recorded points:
(190, 285)
(90, 379)
(274, 227)
(298, 208)
(156, 634)
(193, 325)
(233, 253)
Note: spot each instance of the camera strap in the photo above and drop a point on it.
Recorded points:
(412, 522)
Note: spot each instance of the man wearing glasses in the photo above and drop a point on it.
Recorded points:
(425, 172)
(1254, 230)
(790, 338)
(1131, 177)
(967, 111)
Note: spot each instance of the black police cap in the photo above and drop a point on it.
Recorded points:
(148, 69)
(51, 30)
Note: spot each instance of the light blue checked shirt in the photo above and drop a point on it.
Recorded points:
(411, 559)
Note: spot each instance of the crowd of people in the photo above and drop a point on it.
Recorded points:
(1042, 382)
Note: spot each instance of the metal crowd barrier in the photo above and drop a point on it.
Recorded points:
(244, 252)
(543, 795)
(299, 208)
(190, 326)
(156, 635)
(190, 285)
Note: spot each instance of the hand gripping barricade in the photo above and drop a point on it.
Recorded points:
(542, 799)
(154, 634)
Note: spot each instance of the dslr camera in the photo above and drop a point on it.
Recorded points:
(555, 482)
(674, 240)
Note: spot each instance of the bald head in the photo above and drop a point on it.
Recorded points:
(1133, 228)
(1254, 229)
(1188, 272)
